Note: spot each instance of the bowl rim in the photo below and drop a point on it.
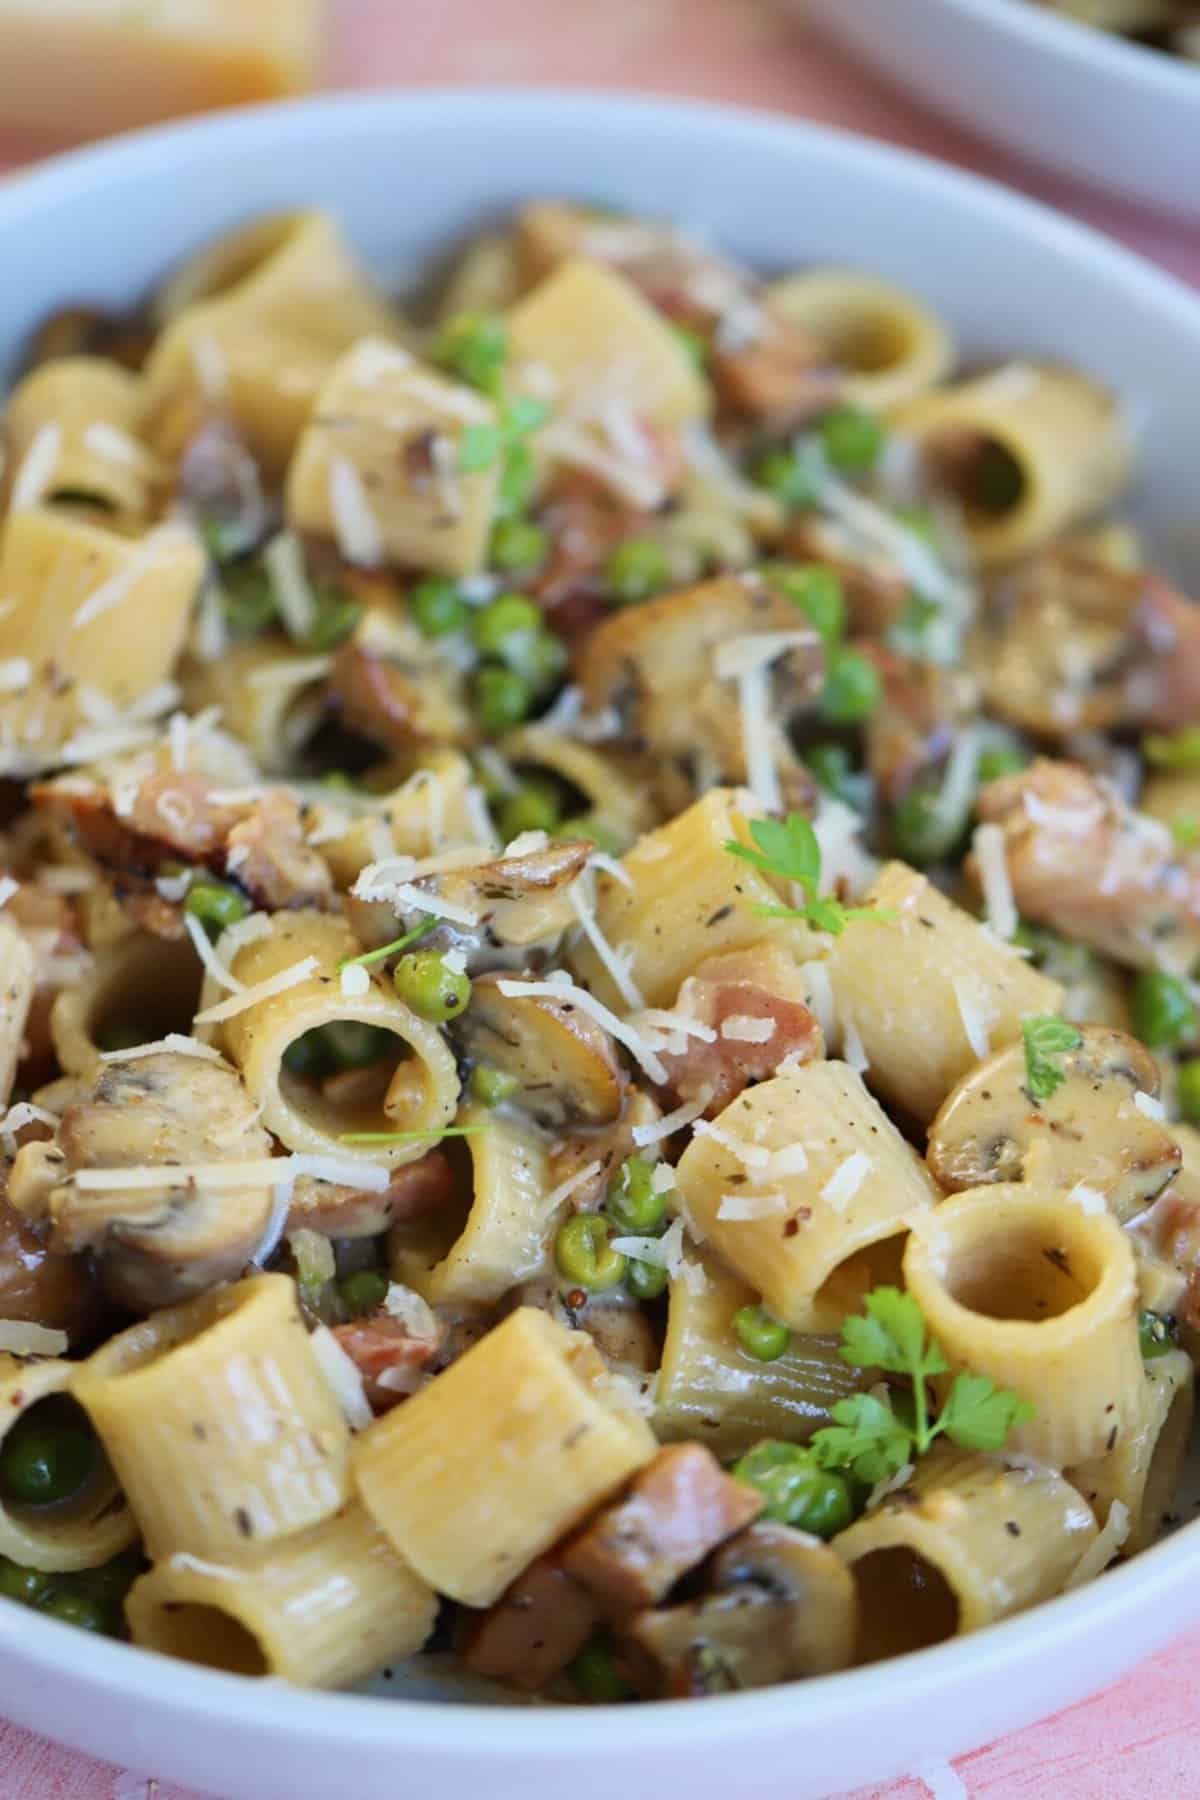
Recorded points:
(1096, 52)
(126, 1675)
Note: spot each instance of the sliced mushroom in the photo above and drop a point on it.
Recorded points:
(42, 1286)
(654, 665)
(913, 728)
(1086, 864)
(1089, 1133)
(563, 1060)
(782, 1606)
(153, 1245)
(521, 899)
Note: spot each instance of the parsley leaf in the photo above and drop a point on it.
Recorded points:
(867, 1438)
(872, 1436)
(978, 1415)
(788, 849)
(479, 447)
(1046, 1040)
(386, 950)
(482, 445)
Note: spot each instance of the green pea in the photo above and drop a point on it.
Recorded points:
(247, 598)
(437, 607)
(351, 1044)
(338, 614)
(786, 476)
(833, 766)
(584, 1255)
(225, 537)
(517, 479)
(816, 591)
(74, 1606)
(492, 1086)
(631, 1202)
(308, 1055)
(496, 625)
(852, 688)
(118, 1035)
(539, 659)
(1187, 1089)
(693, 344)
(1176, 750)
(1001, 760)
(636, 569)
(27, 1586)
(1185, 829)
(519, 544)
(760, 1336)
(922, 829)
(42, 1465)
(502, 698)
(536, 806)
(424, 983)
(363, 1291)
(796, 1489)
(596, 1676)
(645, 1281)
(475, 347)
(216, 905)
(1164, 1014)
(1157, 1334)
(852, 438)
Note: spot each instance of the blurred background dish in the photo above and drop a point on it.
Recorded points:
(1083, 102)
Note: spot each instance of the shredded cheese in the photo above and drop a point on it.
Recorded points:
(743, 1207)
(284, 560)
(1149, 1106)
(977, 1018)
(853, 1048)
(354, 981)
(846, 1180)
(752, 1156)
(208, 956)
(8, 887)
(174, 1044)
(658, 1129)
(355, 526)
(1088, 1199)
(343, 1377)
(623, 981)
(263, 990)
(745, 1028)
(291, 672)
(272, 1171)
(998, 900)
(414, 1313)
(20, 1338)
(16, 672)
(36, 470)
(158, 544)
(564, 990)
(571, 1185)
(1102, 1548)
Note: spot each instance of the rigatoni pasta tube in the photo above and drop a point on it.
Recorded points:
(417, 1087)
(965, 1542)
(502, 1241)
(919, 981)
(1031, 450)
(891, 345)
(1145, 1465)
(711, 1391)
(145, 983)
(1022, 1285)
(501, 1454)
(80, 1533)
(219, 1422)
(686, 899)
(802, 1185)
(323, 1609)
(18, 978)
(82, 412)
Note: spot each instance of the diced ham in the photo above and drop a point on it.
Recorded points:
(778, 380)
(392, 1360)
(678, 1509)
(271, 859)
(725, 1066)
(414, 1191)
(534, 1630)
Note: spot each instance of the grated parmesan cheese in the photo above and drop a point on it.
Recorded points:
(1149, 1106)
(600, 859)
(853, 1048)
(21, 1338)
(354, 981)
(8, 887)
(559, 986)
(999, 903)
(343, 1377)
(752, 1156)
(162, 541)
(284, 561)
(16, 672)
(1103, 1548)
(658, 1129)
(292, 672)
(1088, 1199)
(355, 526)
(571, 1185)
(208, 956)
(977, 1018)
(738, 1208)
(173, 1043)
(263, 990)
(662, 1179)
(414, 1313)
(819, 991)
(36, 470)
(888, 1485)
(846, 1180)
(744, 1028)
(623, 981)
(754, 702)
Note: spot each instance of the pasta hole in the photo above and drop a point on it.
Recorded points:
(905, 1604)
(981, 472)
(147, 999)
(847, 1286)
(205, 1634)
(1022, 1274)
(52, 1467)
(353, 1076)
(867, 343)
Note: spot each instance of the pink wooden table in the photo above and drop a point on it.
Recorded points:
(1141, 1737)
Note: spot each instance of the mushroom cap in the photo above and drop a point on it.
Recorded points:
(1090, 1131)
(564, 1061)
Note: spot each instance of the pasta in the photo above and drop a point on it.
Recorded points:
(599, 1049)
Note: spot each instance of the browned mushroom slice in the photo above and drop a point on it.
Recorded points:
(564, 1062)
(522, 899)
(42, 1286)
(677, 1510)
(782, 1606)
(654, 665)
(157, 1244)
(534, 1630)
(1089, 1134)
(1089, 866)
(913, 728)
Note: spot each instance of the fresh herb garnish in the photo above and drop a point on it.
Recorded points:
(482, 445)
(1047, 1040)
(386, 950)
(788, 848)
(874, 1437)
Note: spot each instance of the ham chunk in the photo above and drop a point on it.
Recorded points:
(1087, 865)
(678, 1509)
(534, 1630)
(417, 1189)
(751, 1001)
(392, 1358)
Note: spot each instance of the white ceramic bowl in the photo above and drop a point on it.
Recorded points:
(408, 175)
(1083, 102)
